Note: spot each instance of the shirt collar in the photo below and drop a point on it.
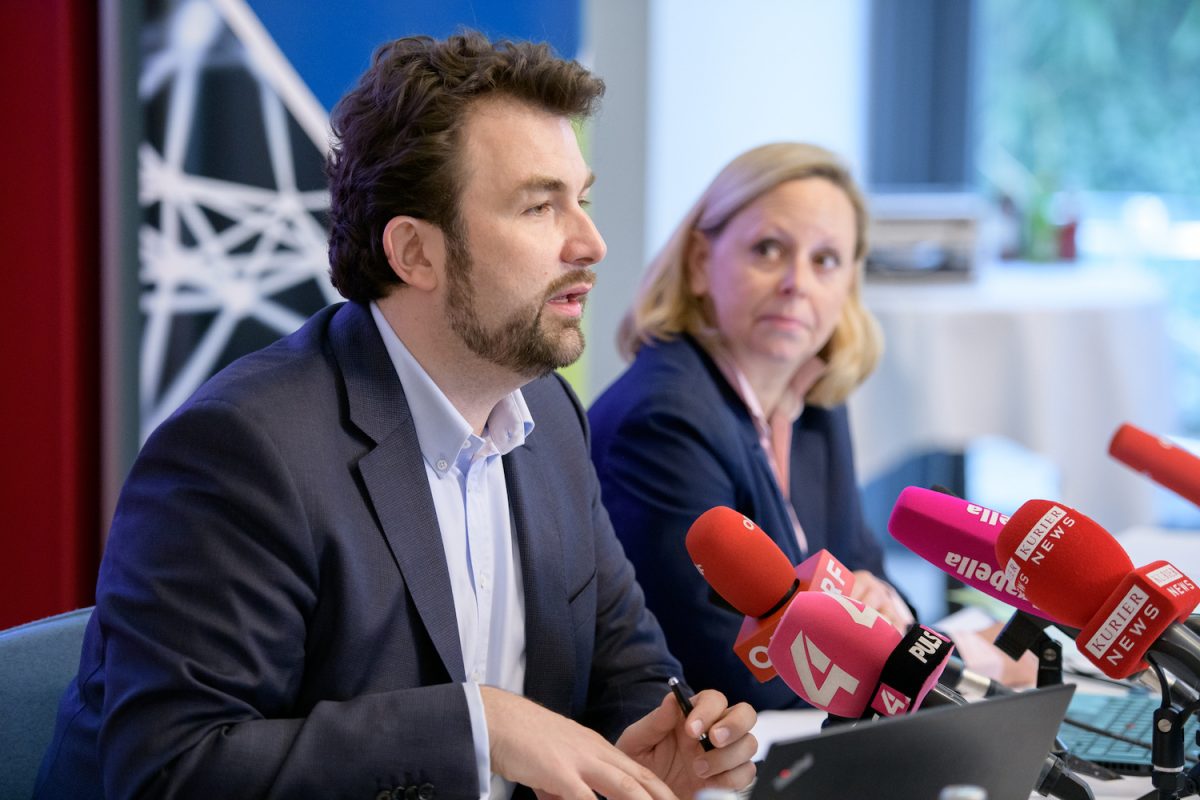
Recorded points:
(791, 405)
(442, 432)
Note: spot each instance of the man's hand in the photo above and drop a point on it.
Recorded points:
(879, 595)
(670, 745)
(558, 757)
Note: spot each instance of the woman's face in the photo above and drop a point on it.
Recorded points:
(778, 273)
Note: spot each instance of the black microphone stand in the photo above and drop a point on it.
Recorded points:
(1027, 632)
(1024, 631)
(1170, 779)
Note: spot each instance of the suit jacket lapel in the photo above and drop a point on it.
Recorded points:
(778, 525)
(395, 478)
(539, 528)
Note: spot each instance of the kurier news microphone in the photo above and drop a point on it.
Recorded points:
(958, 537)
(1073, 568)
(1167, 464)
(749, 571)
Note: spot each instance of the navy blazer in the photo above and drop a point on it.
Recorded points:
(274, 615)
(670, 440)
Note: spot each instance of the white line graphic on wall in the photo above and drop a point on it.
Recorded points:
(270, 239)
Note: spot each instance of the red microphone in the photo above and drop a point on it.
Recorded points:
(749, 571)
(1167, 464)
(1060, 560)
(1076, 570)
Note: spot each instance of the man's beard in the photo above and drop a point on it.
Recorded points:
(521, 343)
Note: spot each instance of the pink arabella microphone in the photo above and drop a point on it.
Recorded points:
(844, 658)
(1166, 463)
(958, 537)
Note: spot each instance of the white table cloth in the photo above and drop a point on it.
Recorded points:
(1053, 357)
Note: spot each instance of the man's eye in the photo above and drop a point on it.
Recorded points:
(538, 210)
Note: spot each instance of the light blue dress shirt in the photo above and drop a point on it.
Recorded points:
(466, 478)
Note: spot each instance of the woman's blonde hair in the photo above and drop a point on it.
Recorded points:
(665, 307)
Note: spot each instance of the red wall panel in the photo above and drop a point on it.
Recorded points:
(49, 311)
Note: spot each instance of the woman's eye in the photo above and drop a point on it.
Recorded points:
(769, 248)
(827, 260)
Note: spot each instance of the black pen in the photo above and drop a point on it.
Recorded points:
(686, 705)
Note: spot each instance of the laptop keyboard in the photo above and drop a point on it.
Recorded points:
(1130, 715)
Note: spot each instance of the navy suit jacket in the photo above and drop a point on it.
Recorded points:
(670, 440)
(274, 615)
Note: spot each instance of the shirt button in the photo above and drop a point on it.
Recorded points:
(442, 464)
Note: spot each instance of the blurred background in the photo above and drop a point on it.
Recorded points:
(1033, 169)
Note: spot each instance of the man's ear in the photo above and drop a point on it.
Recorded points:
(696, 263)
(416, 251)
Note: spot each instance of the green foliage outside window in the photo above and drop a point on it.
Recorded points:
(1099, 99)
(1100, 95)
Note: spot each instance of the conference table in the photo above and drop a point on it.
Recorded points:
(1053, 357)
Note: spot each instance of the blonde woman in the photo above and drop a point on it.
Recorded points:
(746, 336)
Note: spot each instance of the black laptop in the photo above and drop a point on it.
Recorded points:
(999, 744)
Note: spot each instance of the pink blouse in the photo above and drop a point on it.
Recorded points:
(774, 429)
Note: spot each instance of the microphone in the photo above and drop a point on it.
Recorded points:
(1165, 463)
(1180, 693)
(958, 537)
(843, 657)
(968, 683)
(748, 570)
(1076, 570)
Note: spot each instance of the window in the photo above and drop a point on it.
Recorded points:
(1072, 113)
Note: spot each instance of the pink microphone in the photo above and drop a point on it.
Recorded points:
(844, 658)
(958, 537)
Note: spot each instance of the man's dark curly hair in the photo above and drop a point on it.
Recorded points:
(397, 142)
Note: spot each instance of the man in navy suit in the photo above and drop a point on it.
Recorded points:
(371, 560)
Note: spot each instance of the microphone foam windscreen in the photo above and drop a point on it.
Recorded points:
(739, 561)
(1061, 560)
(830, 650)
(956, 536)
(1133, 446)
(1166, 463)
